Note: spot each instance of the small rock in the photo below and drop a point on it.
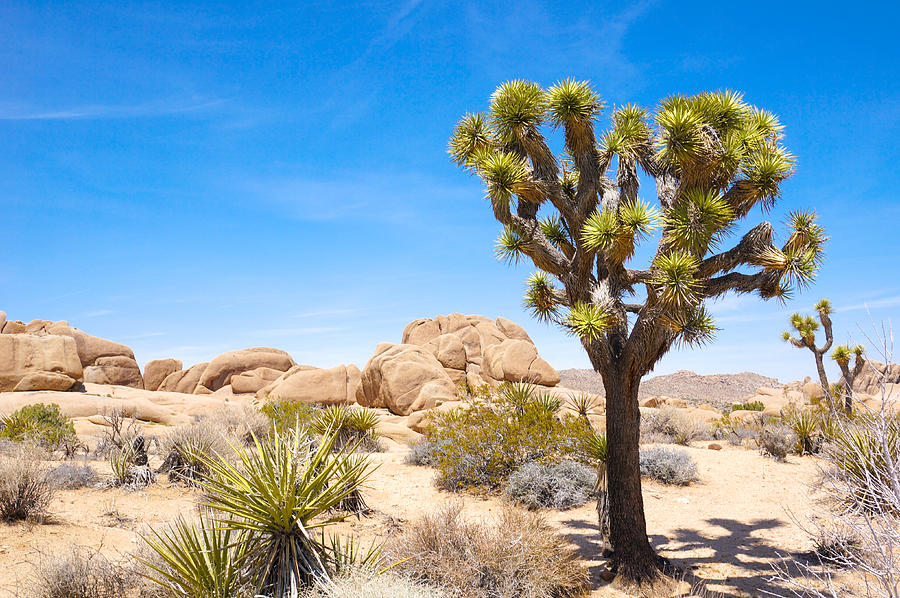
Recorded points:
(715, 447)
(607, 575)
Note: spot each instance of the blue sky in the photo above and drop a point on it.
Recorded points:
(191, 178)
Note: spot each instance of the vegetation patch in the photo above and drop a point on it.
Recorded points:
(517, 555)
(482, 445)
(26, 489)
(561, 485)
(669, 466)
(40, 423)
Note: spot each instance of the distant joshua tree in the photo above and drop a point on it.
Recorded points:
(579, 218)
(806, 327)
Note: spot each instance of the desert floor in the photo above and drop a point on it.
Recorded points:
(724, 531)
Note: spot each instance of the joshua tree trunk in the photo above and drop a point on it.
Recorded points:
(633, 556)
(823, 377)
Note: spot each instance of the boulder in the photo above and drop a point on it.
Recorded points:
(37, 327)
(513, 330)
(23, 354)
(869, 381)
(404, 378)
(516, 361)
(223, 367)
(155, 371)
(45, 381)
(91, 348)
(2, 320)
(334, 386)
(118, 370)
(449, 350)
(14, 327)
(813, 391)
(253, 380)
(183, 380)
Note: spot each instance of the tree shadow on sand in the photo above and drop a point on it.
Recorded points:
(734, 559)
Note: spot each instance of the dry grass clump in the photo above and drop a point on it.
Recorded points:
(519, 555)
(187, 445)
(363, 584)
(80, 573)
(556, 486)
(669, 466)
(26, 489)
(777, 441)
(72, 477)
(672, 425)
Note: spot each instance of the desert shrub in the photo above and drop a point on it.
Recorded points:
(72, 477)
(118, 430)
(519, 555)
(749, 406)
(26, 490)
(777, 441)
(584, 403)
(805, 424)
(353, 427)
(290, 414)
(363, 584)
(426, 452)
(80, 573)
(480, 446)
(40, 423)
(668, 466)
(672, 425)
(556, 486)
(241, 424)
(186, 446)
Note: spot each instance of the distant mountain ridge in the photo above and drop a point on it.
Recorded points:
(683, 384)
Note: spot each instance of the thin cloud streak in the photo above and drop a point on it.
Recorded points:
(98, 313)
(330, 312)
(100, 111)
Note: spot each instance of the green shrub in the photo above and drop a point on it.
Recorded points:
(668, 466)
(749, 406)
(480, 446)
(353, 427)
(519, 555)
(40, 423)
(290, 414)
(561, 485)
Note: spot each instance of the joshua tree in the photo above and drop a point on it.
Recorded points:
(578, 218)
(806, 327)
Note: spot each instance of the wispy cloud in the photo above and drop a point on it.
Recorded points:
(892, 301)
(144, 335)
(98, 313)
(109, 111)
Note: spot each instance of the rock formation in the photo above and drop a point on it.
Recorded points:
(404, 378)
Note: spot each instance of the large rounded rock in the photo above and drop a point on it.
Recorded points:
(185, 381)
(118, 370)
(253, 380)
(23, 354)
(449, 350)
(91, 348)
(518, 361)
(226, 365)
(512, 330)
(333, 386)
(45, 381)
(14, 327)
(404, 378)
(873, 376)
(155, 371)
(2, 320)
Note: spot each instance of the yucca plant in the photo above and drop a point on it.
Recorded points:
(347, 554)
(584, 403)
(579, 217)
(199, 560)
(349, 470)
(598, 453)
(805, 424)
(352, 426)
(272, 494)
(861, 450)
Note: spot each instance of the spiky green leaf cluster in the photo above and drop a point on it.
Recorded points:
(843, 353)
(679, 141)
(504, 174)
(675, 279)
(552, 228)
(807, 234)
(588, 321)
(471, 136)
(698, 222)
(694, 326)
(572, 101)
(806, 326)
(517, 107)
(764, 171)
(630, 135)
(824, 307)
(617, 232)
(540, 298)
(511, 246)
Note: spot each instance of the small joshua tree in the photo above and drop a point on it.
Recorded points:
(806, 327)
(579, 219)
